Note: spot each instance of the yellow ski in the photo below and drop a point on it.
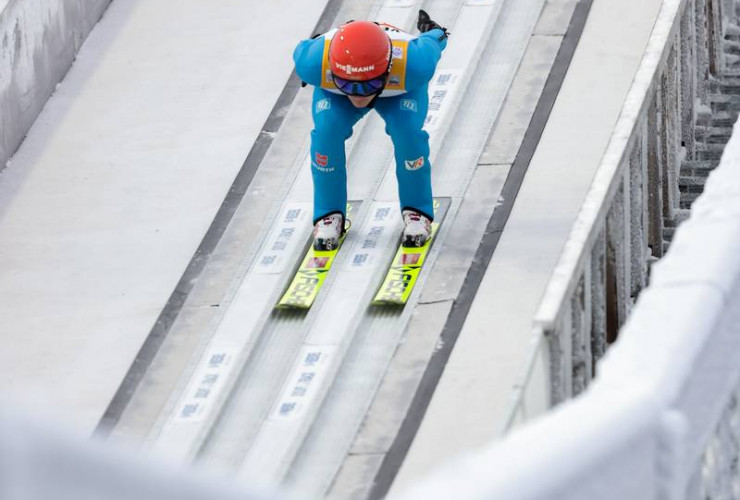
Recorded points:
(311, 275)
(403, 273)
(407, 263)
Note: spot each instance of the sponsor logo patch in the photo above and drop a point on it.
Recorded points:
(304, 287)
(401, 277)
(349, 69)
(414, 164)
(408, 105)
(397, 53)
(323, 160)
(323, 105)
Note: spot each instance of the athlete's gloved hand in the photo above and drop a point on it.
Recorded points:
(425, 24)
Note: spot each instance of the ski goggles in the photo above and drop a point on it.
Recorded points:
(363, 88)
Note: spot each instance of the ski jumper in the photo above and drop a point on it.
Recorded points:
(402, 105)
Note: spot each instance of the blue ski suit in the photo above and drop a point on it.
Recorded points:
(402, 105)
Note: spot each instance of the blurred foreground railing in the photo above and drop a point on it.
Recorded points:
(40, 462)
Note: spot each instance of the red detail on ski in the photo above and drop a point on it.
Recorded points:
(317, 262)
(409, 259)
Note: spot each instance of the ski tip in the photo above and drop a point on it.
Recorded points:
(387, 303)
(291, 306)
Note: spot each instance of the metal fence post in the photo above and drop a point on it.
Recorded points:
(655, 178)
(638, 218)
(597, 270)
(688, 80)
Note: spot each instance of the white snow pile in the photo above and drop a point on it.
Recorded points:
(642, 428)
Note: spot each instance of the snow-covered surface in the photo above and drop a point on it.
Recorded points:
(272, 442)
(113, 227)
(109, 196)
(641, 428)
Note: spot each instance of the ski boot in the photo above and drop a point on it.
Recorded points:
(417, 230)
(327, 232)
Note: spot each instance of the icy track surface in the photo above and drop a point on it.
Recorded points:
(106, 201)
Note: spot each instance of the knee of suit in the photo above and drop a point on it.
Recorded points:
(411, 153)
(326, 141)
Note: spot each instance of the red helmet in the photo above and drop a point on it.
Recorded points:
(360, 50)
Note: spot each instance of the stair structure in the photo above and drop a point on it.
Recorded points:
(712, 133)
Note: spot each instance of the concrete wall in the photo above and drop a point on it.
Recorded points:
(40, 39)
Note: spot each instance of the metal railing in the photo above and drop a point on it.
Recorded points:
(39, 461)
(719, 476)
(633, 200)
